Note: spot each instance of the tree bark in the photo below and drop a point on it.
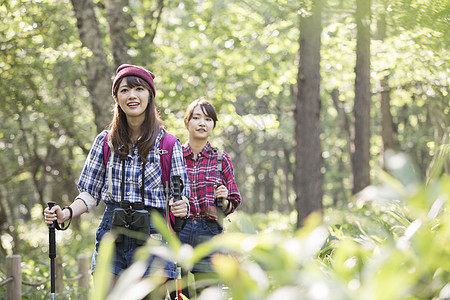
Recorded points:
(117, 33)
(344, 120)
(97, 68)
(361, 139)
(287, 186)
(152, 20)
(256, 207)
(384, 96)
(308, 154)
(387, 125)
(345, 129)
(268, 190)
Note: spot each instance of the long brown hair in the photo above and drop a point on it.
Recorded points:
(150, 128)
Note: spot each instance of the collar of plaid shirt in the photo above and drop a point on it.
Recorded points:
(206, 151)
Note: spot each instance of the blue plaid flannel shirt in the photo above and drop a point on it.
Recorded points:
(93, 177)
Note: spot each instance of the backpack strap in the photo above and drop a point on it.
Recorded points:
(165, 153)
(165, 157)
(218, 201)
(106, 149)
(219, 160)
(220, 169)
(107, 146)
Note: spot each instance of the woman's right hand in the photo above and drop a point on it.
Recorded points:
(53, 214)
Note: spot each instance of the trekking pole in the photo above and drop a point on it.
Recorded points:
(219, 208)
(220, 217)
(52, 252)
(52, 245)
(177, 189)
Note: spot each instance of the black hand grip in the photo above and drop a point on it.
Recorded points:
(177, 225)
(55, 223)
(177, 188)
(219, 203)
(219, 207)
(51, 235)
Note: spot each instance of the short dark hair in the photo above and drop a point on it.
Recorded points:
(206, 107)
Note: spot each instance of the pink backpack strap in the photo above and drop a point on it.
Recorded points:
(106, 149)
(165, 156)
(165, 153)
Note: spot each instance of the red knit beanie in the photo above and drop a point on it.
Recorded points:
(131, 70)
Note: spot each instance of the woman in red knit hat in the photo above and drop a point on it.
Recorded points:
(129, 180)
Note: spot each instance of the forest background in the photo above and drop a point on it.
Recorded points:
(314, 98)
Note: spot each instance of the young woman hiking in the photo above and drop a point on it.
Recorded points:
(211, 176)
(132, 173)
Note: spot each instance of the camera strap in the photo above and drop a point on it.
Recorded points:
(166, 145)
(142, 183)
(122, 186)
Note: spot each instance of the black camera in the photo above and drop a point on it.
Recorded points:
(131, 216)
(140, 220)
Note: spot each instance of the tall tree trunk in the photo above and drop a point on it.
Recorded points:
(384, 96)
(97, 68)
(256, 207)
(308, 154)
(344, 120)
(387, 125)
(345, 129)
(287, 186)
(361, 140)
(117, 33)
(268, 190)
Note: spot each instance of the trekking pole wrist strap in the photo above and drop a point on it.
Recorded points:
(229, 208)
(62, 227)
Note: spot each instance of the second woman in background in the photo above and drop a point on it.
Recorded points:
(211, 176)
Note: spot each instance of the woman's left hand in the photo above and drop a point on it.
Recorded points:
(221, 192)
(180, 207)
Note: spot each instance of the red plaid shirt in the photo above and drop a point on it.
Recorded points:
(203, 174)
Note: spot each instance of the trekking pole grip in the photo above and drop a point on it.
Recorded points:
(55, 223)
(219, 204)
(177, 187)
(219, 208)
(51, 228)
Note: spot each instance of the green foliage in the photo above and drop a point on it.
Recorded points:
(103, 278)
(422, 13)
(41, 140)
(34, 248)
(390, 243)
(249, 72)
